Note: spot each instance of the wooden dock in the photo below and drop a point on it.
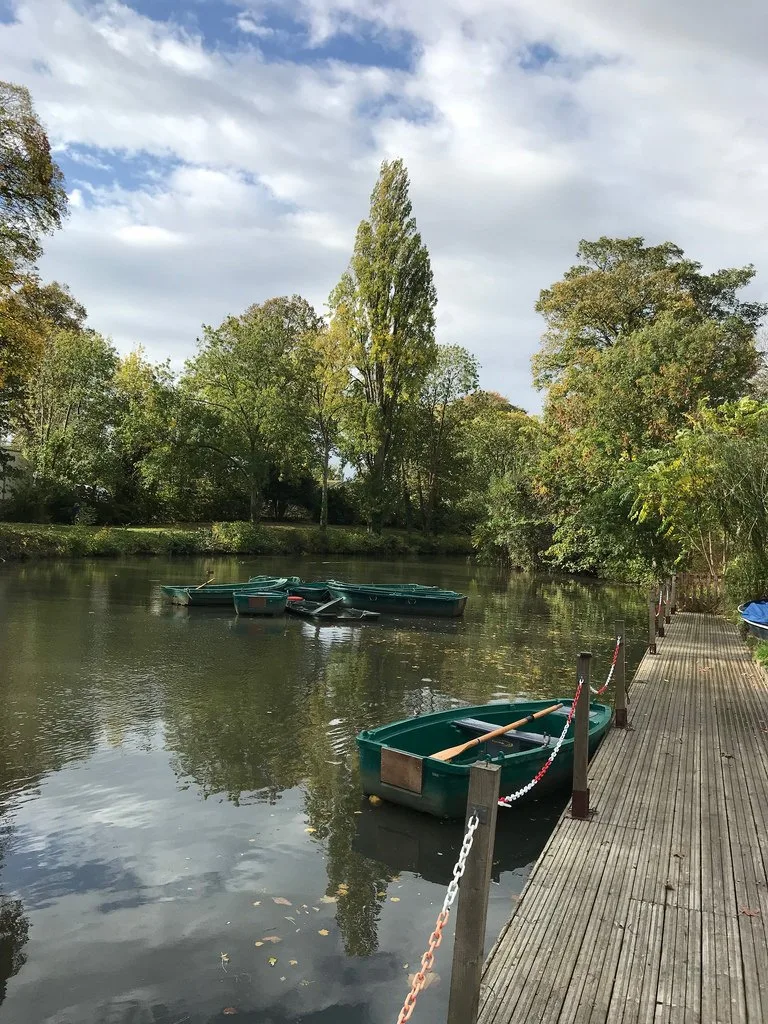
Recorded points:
(656, 909)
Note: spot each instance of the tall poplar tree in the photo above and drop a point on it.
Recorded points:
(384, 305)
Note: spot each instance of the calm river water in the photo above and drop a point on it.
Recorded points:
(182, 836)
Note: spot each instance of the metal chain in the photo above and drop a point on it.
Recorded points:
(428, 960)
(607, 682)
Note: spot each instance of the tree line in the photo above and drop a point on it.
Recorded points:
(650, 449)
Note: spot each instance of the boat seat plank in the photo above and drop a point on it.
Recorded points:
(476, 727)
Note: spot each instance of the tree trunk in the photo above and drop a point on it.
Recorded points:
(255, 503)
(324, 497)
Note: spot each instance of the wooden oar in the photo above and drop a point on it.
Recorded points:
(205, 584)
(451, 752)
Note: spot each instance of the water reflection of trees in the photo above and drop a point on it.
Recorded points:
(333, 796)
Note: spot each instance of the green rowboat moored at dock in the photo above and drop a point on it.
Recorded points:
(395, 762)
(220, 594)
(260, 602)
(400, 599)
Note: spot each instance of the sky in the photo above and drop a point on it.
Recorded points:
(220, 152)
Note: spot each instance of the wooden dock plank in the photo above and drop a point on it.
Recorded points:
(654, 931)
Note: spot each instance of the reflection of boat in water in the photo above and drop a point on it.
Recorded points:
(405, 840)
(270, 625)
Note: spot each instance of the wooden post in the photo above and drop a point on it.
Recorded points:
(580, 794)
(468, 946)
(668, 602)
(659, 611)
(652, 621)
(673, 599)
(621, 677)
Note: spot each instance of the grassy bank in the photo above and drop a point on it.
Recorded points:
(42, 541)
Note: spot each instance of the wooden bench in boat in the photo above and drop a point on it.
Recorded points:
(517, 740)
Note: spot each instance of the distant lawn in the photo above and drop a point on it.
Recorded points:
(35, 540)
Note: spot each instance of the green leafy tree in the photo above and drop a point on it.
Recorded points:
(503, 490)
(384, 307)
(636, 338)
(327, 359)
(244, 396)
(144, 435)
(64, 423)
(438, 419)
(709, 486)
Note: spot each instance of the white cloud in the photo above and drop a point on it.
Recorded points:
(652, 121)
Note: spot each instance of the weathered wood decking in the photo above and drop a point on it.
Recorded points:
(656, 910)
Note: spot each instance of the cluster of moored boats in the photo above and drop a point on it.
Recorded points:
(325, 599)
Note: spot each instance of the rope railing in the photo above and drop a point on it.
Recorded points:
(428, 959)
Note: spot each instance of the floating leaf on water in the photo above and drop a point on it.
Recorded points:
(305, 982)
(282, 901)
(225, 958)
(380, 894)
(260, 943)
(375, 800)
(271, 938)
(327, 899)
(310, 830)
(272, 961)
(291, 919)
(394, 899)
(283, 978)
(228, 1011)
(293, 963)
(316, 910)
(323, 931)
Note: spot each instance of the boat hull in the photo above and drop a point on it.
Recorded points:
(440, 788)
(266, 602)
(219, 595)
(401, 602)
(758, 629)
(319, 612)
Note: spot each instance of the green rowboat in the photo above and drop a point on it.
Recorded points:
(400, 599)
(260, 602)
(219, 594)
(328, 611)
(395, 762)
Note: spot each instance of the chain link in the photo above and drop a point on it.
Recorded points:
(428, 960)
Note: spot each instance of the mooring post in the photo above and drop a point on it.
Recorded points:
(660, 611)
(621, 677)
(484, 781)
(652, 621)
(580, 794)
(668, 602)
(673, 600)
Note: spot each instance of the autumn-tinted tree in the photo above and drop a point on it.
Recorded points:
(384, 306)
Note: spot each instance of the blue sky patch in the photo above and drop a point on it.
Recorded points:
(282, 35)
(104, 168)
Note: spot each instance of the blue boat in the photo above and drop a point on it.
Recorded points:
(755, 615)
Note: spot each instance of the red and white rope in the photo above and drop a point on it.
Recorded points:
(607, 683)
(507, 801)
